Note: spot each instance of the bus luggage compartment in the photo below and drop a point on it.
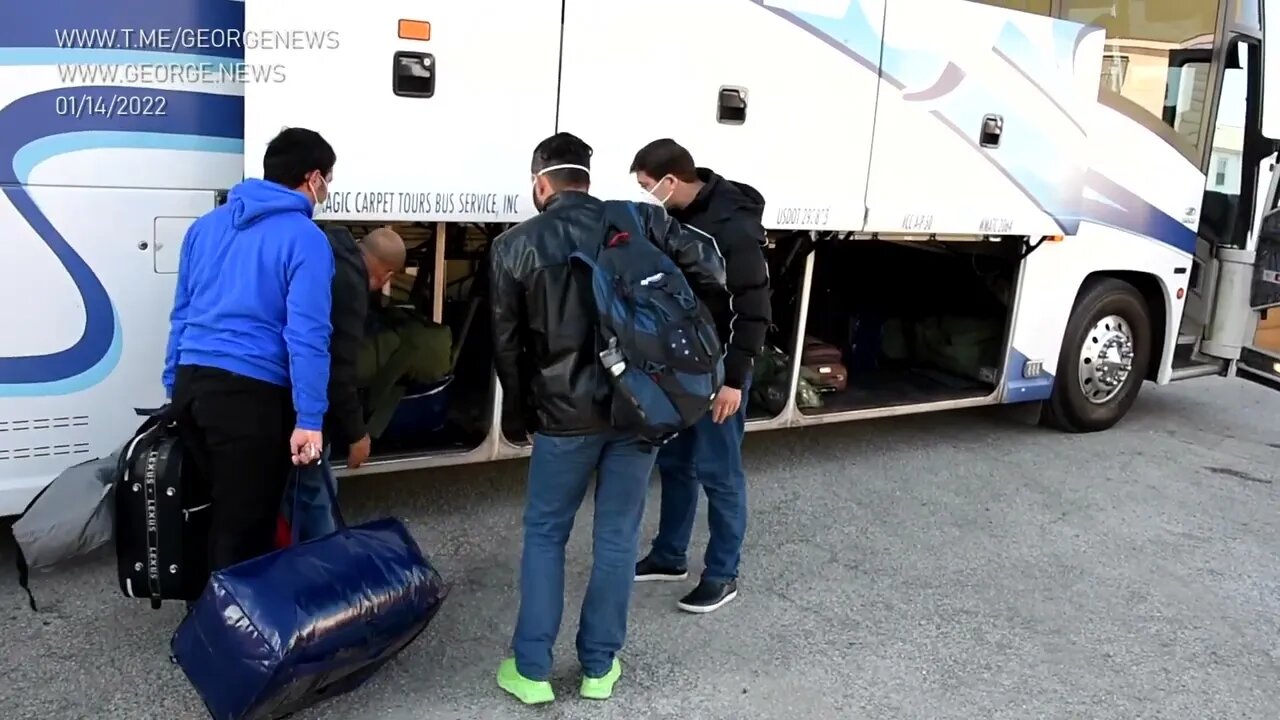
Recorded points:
(887, 326)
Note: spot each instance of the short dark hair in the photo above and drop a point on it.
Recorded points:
(295, 153)
(665, 157)
(563, 149)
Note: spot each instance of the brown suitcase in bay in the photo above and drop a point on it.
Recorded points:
(829, 377)
(817, 352)
(825, 363)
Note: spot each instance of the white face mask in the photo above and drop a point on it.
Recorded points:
(315, 194)
(544, 171)
(650, 197)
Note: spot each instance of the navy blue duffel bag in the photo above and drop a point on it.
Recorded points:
(284, 631)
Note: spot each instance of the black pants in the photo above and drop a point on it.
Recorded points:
(237, 430)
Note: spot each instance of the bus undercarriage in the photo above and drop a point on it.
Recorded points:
(862, 328)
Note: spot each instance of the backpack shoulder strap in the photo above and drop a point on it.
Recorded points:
(616, 231)
(584, 259)
(624, 216)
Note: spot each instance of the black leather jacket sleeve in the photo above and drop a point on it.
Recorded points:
(506, 299)
(693, 252)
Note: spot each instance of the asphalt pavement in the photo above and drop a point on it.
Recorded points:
(956, 565)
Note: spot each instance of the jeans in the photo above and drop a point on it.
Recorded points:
(559, 474)
(315, 510)
(710, 455)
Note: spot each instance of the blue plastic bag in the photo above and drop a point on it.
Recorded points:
(286, 630)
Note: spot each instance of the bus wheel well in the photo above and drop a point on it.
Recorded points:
(1149, 286)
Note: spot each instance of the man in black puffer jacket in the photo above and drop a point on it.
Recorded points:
(360, 268)
(710, 453)
(555, 387)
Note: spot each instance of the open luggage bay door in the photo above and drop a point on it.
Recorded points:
(433, 108)
(982, 120)
(754, 90)
(1260, 355)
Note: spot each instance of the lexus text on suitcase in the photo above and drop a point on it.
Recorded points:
(162, 517)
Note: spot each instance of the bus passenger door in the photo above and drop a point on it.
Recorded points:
(1260, 354)
(1242, 222)
(1204, 341)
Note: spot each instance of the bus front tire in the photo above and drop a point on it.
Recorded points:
(1105, 353)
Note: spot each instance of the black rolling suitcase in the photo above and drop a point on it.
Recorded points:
(161, 517)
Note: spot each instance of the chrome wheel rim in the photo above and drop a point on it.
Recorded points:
(1106, 359)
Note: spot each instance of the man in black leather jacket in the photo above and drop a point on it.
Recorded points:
(555, 387)
(709, 454)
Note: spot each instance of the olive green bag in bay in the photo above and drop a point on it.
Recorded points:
(401, 347)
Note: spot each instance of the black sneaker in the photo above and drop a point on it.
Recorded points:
(649, 571)
(709, 596)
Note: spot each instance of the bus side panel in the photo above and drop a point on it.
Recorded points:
(457, 150)
(110, 258)
(1139, 208)
(1051, 279)
(1145, 192)
(112, 139)
(639, 70)
(982, 121)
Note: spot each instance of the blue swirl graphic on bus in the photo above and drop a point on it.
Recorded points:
(1060, 184)
(37, 127)
(33, 129)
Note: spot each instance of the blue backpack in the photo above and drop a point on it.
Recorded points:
(660, 346)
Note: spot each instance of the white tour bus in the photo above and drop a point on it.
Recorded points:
(975, 202)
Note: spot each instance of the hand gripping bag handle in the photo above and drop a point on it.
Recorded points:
(296, 481)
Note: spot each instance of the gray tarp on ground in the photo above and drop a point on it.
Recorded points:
(69, 519)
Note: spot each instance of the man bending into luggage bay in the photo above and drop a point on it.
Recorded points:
(360, 268)
(250, 322)
(710, 453)
(545, 335)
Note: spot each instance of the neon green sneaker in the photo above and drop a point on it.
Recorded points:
(601, 688)
(529, 692)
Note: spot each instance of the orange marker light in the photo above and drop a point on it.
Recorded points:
(415, 30)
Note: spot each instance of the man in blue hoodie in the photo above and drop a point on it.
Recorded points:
(247, 366)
